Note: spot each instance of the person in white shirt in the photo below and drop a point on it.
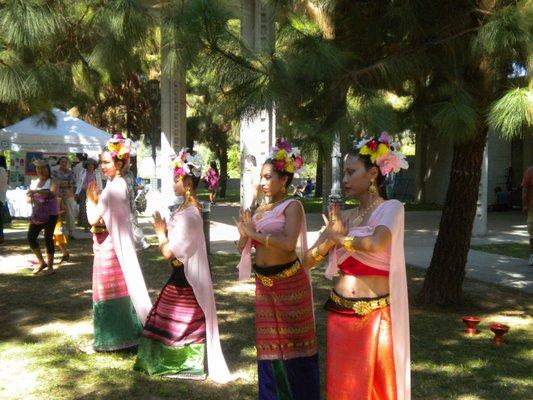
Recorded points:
(3, 190)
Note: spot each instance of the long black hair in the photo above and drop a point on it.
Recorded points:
(213, 165)
(3, 162)
(365, 159)
(289, 175)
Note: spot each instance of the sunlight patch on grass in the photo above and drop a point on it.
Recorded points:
(72, 329)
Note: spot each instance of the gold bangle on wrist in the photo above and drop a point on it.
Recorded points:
(267, 240)
(316, 255)
(347, 242)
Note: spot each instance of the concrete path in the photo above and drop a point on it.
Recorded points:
(421, 228)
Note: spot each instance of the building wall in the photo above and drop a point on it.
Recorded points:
(500, 158)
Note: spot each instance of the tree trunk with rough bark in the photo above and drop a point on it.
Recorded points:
(443, 285)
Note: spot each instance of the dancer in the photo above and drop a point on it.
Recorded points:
(284, 318)
(367, 347)
(183, 325)
(120, 298)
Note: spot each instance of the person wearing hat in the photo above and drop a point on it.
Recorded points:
(43, 197)
(90, 173)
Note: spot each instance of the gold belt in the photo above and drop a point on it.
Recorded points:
(98, 229)
(269, 280)
(176, 263)
(360, 307)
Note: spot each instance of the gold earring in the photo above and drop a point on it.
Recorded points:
(188, 193)
(373, 189)
(283, 190)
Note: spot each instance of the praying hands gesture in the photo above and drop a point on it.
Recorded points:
(245, 224)
(92, 192)
(159, 225)
(336, 228)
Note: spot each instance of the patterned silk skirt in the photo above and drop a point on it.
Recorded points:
(285, 334)
(173, 338)
(359, 355)
(116, 325)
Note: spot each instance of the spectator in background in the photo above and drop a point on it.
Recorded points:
(212, 179)
(309, 188)
(527, 206)
(3, 190)
(66, 184)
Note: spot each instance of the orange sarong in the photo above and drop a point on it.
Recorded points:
(360, 357)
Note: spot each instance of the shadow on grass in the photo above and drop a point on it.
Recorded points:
(47, 320)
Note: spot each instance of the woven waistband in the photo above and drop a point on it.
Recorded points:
(98, 229)
(174, 262)
(290, 270)
(361, 306)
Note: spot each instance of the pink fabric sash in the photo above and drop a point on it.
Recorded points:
(272, 221)
(187, 243)
(113, 208)
(391, 215)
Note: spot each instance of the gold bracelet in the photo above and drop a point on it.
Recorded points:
(316, 255)
(267, 240)
(347, 242)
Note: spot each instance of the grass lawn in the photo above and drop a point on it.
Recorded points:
(518, 250)
(46, 325)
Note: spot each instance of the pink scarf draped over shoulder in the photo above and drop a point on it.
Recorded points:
(113, 207)
(187, 243)
(273, 221)
(390, 214)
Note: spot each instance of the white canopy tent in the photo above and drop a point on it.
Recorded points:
(69, 135)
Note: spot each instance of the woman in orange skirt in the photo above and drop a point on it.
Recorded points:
(367, 349)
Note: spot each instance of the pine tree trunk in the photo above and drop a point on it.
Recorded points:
(444, 278)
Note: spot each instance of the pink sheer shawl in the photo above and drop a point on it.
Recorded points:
(113, 208)
(273, 221)
(391, 215)
(187, 243)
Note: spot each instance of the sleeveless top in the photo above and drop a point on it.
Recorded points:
(43, 204)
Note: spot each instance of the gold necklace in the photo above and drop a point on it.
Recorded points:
(262, 209)
(360, 215)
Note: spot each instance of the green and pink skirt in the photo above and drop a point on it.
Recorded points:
(116, 325)
(173, 338)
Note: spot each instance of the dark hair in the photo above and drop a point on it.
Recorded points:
(213, 165)
(61, 158)
(365, 159)
(3, 162)
(90, 161)
(47, 168)
(289, 175)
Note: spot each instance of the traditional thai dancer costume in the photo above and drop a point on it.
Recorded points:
(367, 353)
(287, 353)
(120, 298)
(182, 325)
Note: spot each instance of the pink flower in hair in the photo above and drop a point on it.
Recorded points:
(279, 165)
(298, 162)
(392, 162)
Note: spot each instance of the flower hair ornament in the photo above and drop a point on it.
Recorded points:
(384, 153)
(285, 158)
(121, 148)
(184, 163)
